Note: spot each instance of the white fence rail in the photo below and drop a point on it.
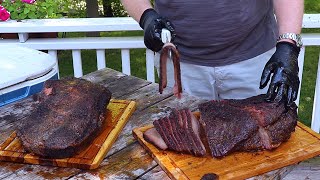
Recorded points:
(124, 43)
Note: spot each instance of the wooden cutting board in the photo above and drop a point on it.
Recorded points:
(118, 113)
(303, 144)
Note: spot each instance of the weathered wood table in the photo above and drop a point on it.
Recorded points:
(127, 159)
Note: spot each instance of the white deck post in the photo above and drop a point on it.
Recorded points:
(300, 64)
(101, 59)
(77, 63)
(315, 124)
(54, 54)
(125, 58)
(150, 65)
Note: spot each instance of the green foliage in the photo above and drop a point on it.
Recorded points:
(118, 9)
(74, 8)
(312, 6)
(41, 9)
(77, 8)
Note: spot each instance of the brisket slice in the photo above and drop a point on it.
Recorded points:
(68, 116)
(246, 125)
(179, 131)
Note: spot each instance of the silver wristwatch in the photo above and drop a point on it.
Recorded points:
(295, 37)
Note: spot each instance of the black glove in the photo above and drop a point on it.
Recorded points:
(285, 81)
(152, 24)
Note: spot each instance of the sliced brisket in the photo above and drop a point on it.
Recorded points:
(179, 131)
(67, 118)
(225, 126)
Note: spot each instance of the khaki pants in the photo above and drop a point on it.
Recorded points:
(235, 81)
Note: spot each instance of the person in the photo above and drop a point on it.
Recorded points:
(228, 49)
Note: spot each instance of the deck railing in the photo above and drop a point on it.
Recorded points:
(100, 44)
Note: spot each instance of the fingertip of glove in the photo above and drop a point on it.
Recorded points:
(262, 84)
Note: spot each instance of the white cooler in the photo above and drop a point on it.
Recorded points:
(23, 72)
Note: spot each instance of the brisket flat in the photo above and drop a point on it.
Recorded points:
(225, 126)
(68, 116)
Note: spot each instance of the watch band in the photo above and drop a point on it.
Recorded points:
(295, 37)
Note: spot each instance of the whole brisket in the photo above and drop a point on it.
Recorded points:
(67, 118)
(226, 126)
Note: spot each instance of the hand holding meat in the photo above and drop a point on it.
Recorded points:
(152, 24)
(285, 81)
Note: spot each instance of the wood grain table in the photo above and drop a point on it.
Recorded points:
(127, 159)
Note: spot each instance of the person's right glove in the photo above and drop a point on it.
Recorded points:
(285, 81)
(152, 24)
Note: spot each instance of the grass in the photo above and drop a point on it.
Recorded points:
(312, 6)
(138, 67)
(113, 57)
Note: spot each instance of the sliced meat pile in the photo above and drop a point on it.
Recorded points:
(228, 125)
(178, 132)
(68, 116)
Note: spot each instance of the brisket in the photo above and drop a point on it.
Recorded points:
(250, 124)
(225, 126)
(68, 116)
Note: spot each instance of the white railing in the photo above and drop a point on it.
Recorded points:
(124, 43)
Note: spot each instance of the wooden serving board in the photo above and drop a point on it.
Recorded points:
(118, 113)
(303, 144)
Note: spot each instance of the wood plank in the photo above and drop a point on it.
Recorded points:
(6, 169)
(128, 163)
(15, 111)
(240, 165)
(118, 83)
(148, 96)
(309, 169)
(42, 173)
(104, 76)
(118, 113)
(126, 85)
(155, 173)
(276, 174)
(11, 114)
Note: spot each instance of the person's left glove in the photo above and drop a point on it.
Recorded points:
(285, 81)
(152, 24)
